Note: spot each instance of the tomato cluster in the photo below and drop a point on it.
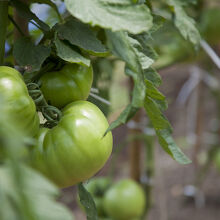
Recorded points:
(76, 148)
(124, 200)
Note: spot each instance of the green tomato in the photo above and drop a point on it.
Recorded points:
(72, 83)
(75, 149)
(20, 105)
(125, 200)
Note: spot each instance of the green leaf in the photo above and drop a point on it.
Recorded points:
(87, 202)
(112, 14)
(67, 53)
(25, 12)
(146, 49)
(51, 4)
(163, 130)
(125, 116)
(159, 121)
(152, 75)
(137, 61)
(139, 90)
(127, 49)
(143, 53)
(120, 46)
(153, 92)
(27, 195)
(168, 144)
(81, 35)
(130, 51)
(137, 56)
(30, 55)
(158, 22)
(154, 104)
(184, 23)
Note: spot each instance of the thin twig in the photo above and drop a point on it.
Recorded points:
(100, 98)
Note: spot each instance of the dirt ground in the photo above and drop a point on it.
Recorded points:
(171, 179)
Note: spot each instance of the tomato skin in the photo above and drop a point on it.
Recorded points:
(125, 200)
(75, 149)
(20, 105)
(72, 83)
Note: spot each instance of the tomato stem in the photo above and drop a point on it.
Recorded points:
(50, 113)
(22, 23)
(149, 171)
(135, 151)
(15, 24)
(3, 28)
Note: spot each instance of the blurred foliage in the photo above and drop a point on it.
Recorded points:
(209, 25)
(171, 47)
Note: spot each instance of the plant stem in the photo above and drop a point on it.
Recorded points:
(3, 28)
(14, 23)
(22, 23)
(135, 151)
(135, 147)
(149, 172)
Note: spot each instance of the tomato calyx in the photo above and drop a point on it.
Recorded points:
(50, 113)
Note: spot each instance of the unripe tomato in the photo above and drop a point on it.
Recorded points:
(75, 149)
(20, 105)
(72, 83)
(125, 200)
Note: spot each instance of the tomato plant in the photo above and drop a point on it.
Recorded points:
(75, 139)
(20, 105)
(72, 83)
(124, 200)
(75, 149)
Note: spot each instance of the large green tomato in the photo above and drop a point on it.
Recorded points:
(72, 83)
(125, 200)
(75, 149)
(20, 105)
